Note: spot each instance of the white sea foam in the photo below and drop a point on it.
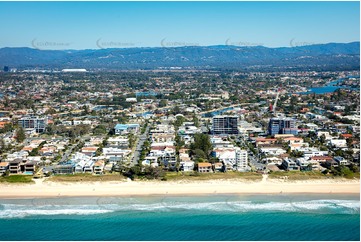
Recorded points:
(313, 206)
(20, 211)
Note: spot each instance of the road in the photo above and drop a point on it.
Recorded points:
(142, 138)
(65, 156)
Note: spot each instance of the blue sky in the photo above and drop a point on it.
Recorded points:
(93, 25)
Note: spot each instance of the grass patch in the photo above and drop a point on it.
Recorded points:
(298, 175)
(86, 177)
(195, 176)
(17, 179)
(353, 175)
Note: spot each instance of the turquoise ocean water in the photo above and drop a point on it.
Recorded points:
(218, 217)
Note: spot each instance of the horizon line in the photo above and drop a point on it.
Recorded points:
(291, 45)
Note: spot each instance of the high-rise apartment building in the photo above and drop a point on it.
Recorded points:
(225, 124)
(282, 126)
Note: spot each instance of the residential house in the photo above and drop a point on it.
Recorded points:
(118, 142)
(14, 166)
(79, 167)
(272, 150)
(126, 128)
(30, 167)
(331, 163)
(324, 133)
(186, 166)
(204, 167)
(99, 167)
(89, 151)
(4, 166)
(320, 159)
(89, 166)
(163, 137)
(47, 151)
(218, 166)
(340, 160)
(27, 148)
(265, 141)
(150, 160)
(311, 152)
(162, 128)
(115, 155)
(338, 143)
(346, 136)
(290, 165)
(166, 155)
(273, 160)
(303, 163)
(64, 168)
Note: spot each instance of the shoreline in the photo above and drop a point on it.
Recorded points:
(45, 189)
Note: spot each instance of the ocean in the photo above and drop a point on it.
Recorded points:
(218, 217)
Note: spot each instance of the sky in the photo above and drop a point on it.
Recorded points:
(95, 25)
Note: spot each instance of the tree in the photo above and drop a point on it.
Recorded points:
(176, 110)
(2, 146)
(20, 135)
(154, 172)
(162, 103)
(296, 153)
(198, 153)
(349, 142)
(323, 139)
(7, 128)
(100, 129)
(179, 121)
(195, 121)
(202, 142)
(131, 140)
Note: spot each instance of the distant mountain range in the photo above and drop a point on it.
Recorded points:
(332, 56)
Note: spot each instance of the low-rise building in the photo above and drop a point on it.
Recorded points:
(14, 166)
(272, 150)
(89, 151)
(4, 166)
(126, 128)
(115, 155)
(64, 168)
(338, 143)
(290, 165)
(204, 167)
(99, 167)
(304, 164)
(118, 142)
(340, 160)
(30, 167)
(186, 166)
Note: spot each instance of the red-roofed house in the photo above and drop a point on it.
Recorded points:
(265, 141)
(346, 136)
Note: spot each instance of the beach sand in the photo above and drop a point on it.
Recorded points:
(43, 188)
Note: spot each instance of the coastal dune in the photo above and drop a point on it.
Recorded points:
(43, 188)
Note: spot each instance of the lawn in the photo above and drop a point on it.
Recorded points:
(195, 176)
(308, 175)
(86, 177)
(17, 179)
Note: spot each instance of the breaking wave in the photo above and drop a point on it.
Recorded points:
(327, 206)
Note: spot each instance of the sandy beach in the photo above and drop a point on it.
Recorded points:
(130, 188)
